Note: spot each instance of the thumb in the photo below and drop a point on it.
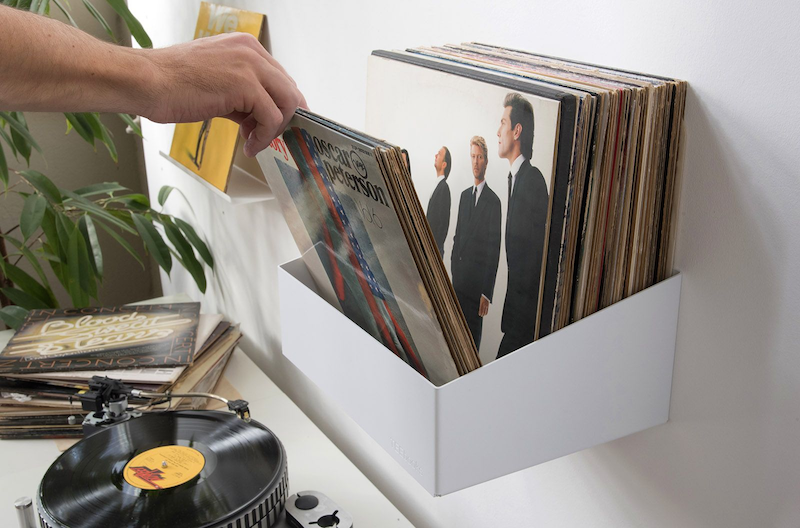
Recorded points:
(269, 122)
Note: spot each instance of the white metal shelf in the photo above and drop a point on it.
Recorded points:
(601, 378)
(243, 187)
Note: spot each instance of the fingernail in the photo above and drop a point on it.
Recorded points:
(249, 145)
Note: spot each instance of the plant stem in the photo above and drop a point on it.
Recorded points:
(9, 189)
(29, 246)
(5, 282)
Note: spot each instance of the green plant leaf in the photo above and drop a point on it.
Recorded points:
(20, 139)
(100, 188)
(131, 123)
(51, 240)
(136, 198)
(66, 13)
(80, 280)
(108, 141)
(122, 242)
(13, 316)
(48, 255)
(92, 208)
(25, 300)
(86, 225)
(135, 27)
(27, 284)
(65, 228)
(164, 193)
(129, 203)
(50, 229)
(186, 252)
(94, 123)
(43, 184)
(38, 6)
(123, 216)
(101, 132)
(32, 213)
(81, 126)
(3, 168)
(196, 241)
(8, 140)
(96, 14)
(153, 241)
(21, 128)
(34, 262)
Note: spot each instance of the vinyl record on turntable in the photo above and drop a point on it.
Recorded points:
(184, 469)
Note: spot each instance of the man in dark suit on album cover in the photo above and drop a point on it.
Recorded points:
(476, 245)
(526, 217)
(438, 212)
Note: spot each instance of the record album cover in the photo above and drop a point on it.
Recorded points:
(103, 338)
(501, 147)
(208, 148)
(341, 212)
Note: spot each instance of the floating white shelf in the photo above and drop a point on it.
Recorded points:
(243, 187)
(601, 378)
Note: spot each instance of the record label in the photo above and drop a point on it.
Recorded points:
(164, 467)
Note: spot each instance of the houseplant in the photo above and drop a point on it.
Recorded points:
(58, 228)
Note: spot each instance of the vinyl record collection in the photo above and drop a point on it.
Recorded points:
(570, 209)
(45, 404)
(606, 143)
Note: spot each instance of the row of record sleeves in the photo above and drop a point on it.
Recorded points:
(529, 192)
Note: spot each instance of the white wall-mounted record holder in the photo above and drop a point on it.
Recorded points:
(243, 186)
(599, 379)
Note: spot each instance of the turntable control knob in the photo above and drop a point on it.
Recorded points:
(327, 521)
(306, 502)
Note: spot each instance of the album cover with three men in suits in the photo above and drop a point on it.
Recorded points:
(549, 184)
(490, 147)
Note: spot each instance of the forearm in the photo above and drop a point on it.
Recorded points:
(46, 65)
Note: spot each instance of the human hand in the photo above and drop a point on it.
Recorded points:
(230, 76)
(483, 309)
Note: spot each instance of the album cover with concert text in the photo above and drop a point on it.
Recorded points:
(103, 338)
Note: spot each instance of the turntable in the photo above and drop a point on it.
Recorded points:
(318, 464)
(192, 469)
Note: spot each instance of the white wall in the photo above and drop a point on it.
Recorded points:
(730, 454)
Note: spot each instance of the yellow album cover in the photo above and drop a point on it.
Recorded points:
(207, 148)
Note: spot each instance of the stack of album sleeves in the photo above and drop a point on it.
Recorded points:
(40, 404)
(530, 192)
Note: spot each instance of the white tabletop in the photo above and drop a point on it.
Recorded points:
(314, 462)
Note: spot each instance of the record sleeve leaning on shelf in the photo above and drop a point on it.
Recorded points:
(210, 148)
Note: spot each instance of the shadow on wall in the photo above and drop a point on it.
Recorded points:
(250, 241)
(722, 458)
